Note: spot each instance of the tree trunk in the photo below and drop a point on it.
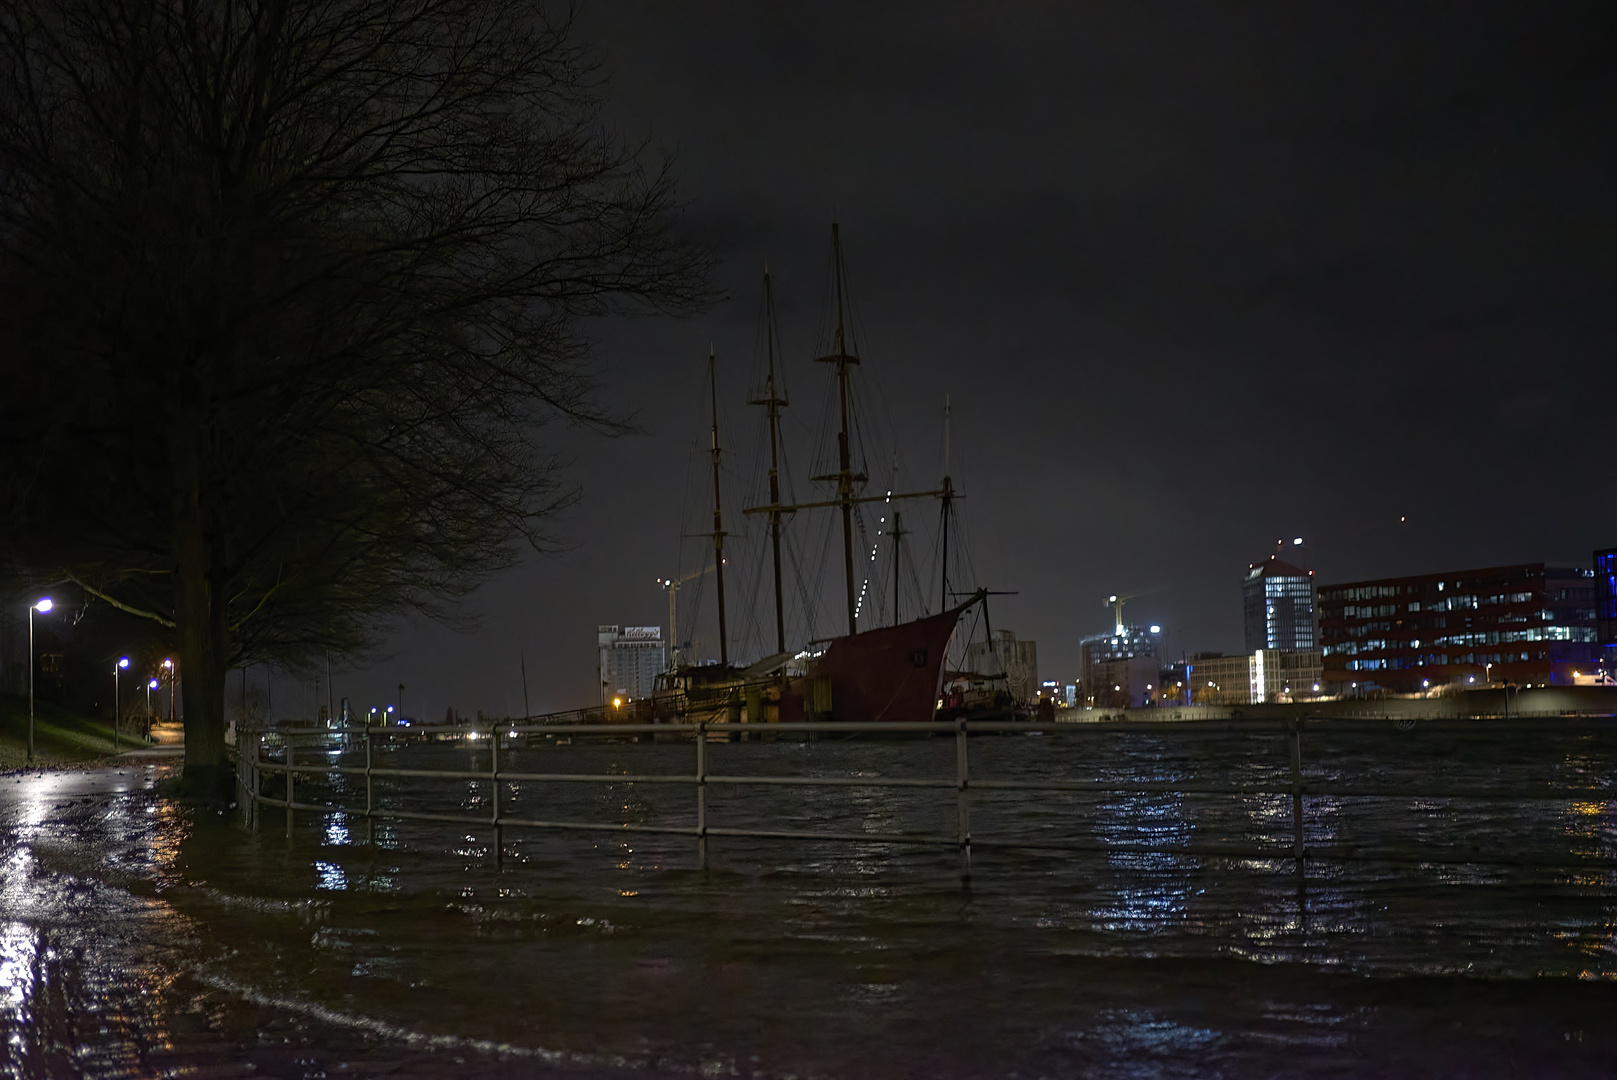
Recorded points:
(199, 609)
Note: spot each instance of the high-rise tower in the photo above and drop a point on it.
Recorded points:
(1280, 607)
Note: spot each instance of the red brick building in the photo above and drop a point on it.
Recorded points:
(1530, 623)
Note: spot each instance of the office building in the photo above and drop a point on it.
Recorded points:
(631, 659)
(1266, 676)
(1017, 660)
(1530, 623)
(1216, 679)
(1278, 607)
(1276, 676)
(1606, 596)
(1119, 669)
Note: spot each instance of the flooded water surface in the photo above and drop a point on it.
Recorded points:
(1174, 938)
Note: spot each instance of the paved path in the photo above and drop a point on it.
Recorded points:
(172, 752)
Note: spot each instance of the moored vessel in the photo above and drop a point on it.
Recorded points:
(883, 674)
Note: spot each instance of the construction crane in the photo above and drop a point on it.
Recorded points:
(1115, 602)
(673, 586)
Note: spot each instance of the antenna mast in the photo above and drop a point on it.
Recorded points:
(718, 517)
(773, 402)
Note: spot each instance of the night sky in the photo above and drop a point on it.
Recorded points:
(1195, 277)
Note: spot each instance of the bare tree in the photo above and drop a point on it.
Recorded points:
(289, 287)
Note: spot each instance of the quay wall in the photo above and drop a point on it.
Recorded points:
(1540, 702)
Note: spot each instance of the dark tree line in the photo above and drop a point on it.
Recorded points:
(290, 287)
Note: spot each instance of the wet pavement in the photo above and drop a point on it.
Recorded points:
(138, 938)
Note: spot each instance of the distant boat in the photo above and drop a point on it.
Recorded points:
(887, 674)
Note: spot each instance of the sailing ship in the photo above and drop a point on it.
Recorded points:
(888, 674)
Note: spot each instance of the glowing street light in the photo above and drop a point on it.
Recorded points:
(117, 735)
(42, 605)
(169, 671)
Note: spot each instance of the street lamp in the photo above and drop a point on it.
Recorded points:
(42, 605)
(168, 668)
(150, 686)
(117, 738)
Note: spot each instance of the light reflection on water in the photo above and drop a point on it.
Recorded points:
(836, 959)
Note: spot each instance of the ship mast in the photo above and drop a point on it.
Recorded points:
(844, 476)
(718, 516)
(947, 495)
(773, 403)
(897, 532)
(848, 481)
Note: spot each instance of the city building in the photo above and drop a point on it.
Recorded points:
(1063, 695)
(1285, 676)
(1265, 676)
(1119, 669)
(1216, 679)
(1531, 623)
(1279, 607)
(1017, 660)
(631, 659)
(1606, 596)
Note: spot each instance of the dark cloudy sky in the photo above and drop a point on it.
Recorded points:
(1195, 276)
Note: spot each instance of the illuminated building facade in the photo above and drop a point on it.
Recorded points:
(1606, 596)
(1529, 624)
(1216, 679)
(1266, 676)
(1119, 669)
(631, 659)
(1278, 607)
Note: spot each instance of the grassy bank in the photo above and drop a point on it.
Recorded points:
(61, 736)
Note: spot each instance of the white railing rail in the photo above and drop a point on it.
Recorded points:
(254, 764)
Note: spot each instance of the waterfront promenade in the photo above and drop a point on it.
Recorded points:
(191, 942)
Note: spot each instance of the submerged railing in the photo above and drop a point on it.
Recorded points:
(256, 763)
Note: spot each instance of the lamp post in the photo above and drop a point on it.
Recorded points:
(117, 735)
(168, 669)
(151, 684)
(42, 605)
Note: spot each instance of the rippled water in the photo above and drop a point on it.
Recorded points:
(137, 938)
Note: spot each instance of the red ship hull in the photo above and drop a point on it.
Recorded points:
(889, 674)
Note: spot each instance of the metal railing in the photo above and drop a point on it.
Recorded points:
(255, 764)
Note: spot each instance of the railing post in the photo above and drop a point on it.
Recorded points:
(1295, 738)
(288, 738)
(370, 821)
(963, 809)
(701, 792)
(256, 779)
(494, 779)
